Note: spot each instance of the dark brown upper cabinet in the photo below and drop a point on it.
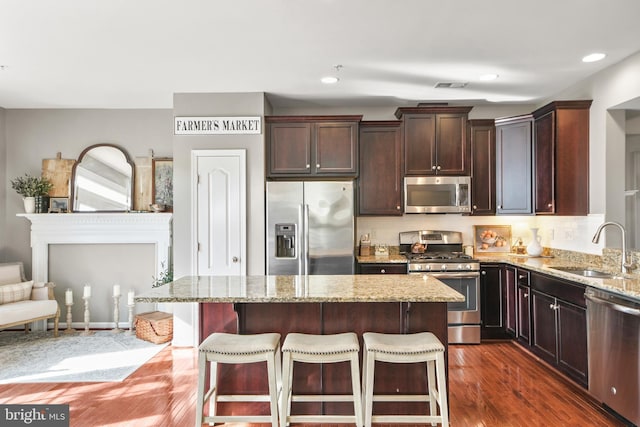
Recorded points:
(435, 140)
(312, 146)
(482, 136)
(380, 180)
(514, 165)
(561, 158)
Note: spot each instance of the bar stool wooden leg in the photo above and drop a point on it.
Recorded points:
(237, 349)
(320, 349)
(406, 348)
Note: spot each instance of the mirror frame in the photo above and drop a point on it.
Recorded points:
(73, 177)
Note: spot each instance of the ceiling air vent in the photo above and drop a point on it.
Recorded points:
(450, 85)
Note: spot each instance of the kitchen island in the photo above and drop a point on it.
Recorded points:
(317, 304)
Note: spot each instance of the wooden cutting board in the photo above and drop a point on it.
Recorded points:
(58, 171)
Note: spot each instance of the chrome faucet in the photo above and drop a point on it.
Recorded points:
(625, 265)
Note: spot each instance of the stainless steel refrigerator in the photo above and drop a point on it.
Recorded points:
(310, 227)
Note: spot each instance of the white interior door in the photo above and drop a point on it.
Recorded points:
(220, 208)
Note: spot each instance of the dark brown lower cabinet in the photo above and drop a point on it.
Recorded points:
(382, 268)
(510, 289)
(493, 302)
(524, 315)
(559, 325)
(545, 314)
(325, 318)
(498, 301)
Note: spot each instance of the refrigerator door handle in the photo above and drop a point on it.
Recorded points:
(305, 227)
(300, 237)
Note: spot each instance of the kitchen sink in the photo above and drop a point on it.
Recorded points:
(585, 272)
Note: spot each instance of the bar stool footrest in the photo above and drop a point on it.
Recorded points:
(244, 398)
(238, 418)
(322, 398)
(324, 419)
(401, 398)
(406, 419)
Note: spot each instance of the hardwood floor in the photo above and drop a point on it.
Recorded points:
(492, 385)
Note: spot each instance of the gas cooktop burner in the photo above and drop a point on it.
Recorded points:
(439, 256)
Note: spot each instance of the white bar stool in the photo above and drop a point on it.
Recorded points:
(405, 348)
(320, 349)
(237, 349)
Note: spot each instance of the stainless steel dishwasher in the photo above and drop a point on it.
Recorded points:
(613, 325)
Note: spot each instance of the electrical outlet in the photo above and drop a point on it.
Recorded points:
(568, 234)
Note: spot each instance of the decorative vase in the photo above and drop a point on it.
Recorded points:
(534, 248)
(29, 204)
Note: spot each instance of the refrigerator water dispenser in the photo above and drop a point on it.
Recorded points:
(285, 240)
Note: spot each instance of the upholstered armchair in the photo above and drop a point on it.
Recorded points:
(22, 301)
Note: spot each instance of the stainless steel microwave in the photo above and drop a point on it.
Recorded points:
(437, 194)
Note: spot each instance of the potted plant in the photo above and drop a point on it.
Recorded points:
(30, 187)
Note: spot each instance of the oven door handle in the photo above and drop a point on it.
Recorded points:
(461, 275)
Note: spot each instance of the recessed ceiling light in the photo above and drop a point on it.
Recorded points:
(593, 57)
(329, 80)
(487, 77)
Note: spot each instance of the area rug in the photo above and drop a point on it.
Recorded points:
(38, 357)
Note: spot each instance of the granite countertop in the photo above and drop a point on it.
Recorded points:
(627, 285)
(314, 288)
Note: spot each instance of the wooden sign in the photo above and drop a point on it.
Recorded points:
(217, 125)
(58, 171)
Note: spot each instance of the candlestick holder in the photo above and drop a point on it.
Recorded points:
(130, 330)
(116, 314)
(69, 330)
(87, 318)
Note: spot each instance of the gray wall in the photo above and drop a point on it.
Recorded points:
(34, 135)
(230, 104)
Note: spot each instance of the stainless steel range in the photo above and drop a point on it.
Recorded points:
(439, 254)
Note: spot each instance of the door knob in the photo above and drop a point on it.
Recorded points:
(235, 259)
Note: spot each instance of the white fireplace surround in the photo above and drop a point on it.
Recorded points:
(97, 228)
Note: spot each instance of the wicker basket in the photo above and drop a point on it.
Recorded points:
(154, 326)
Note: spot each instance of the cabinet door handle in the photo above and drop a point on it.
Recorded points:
(382, 270)
(549, 205)
(318, 165)
(475, 206)
(433, 167)
(398, 208)
(439, 167)
(484, 273)
(525, 295)
(499, 206)
(521, 277)
(308, 166)
(552, 307)
(235, 259)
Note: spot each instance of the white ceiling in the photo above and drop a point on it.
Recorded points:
(137, 54)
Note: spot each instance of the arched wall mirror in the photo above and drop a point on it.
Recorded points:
(102, 180)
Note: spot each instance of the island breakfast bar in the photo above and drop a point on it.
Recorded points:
(317, 304)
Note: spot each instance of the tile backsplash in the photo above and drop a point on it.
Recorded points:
(570, 233)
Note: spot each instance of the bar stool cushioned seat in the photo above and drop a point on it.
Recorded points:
(309, 348)
(406, 348)
(237, 349)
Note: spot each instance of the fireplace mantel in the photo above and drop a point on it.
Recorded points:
(97, 228)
